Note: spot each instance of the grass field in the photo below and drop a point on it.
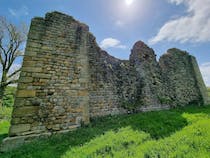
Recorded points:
(177, 133)
(5, 116)
(6, 111)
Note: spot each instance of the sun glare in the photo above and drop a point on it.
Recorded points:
(128, 2)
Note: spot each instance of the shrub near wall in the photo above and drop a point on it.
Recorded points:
(8, 99)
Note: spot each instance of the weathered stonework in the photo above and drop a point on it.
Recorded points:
(182, 78)
(66, 79)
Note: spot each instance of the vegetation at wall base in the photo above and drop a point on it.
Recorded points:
(6, 111)
(182, 132)
(5, 117)
(208, 91)
(8, 99)
(131, 105)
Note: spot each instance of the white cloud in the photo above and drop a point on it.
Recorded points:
(111, 43)
(205, 70)
(193, 27)
(19, 12)
(176, 1)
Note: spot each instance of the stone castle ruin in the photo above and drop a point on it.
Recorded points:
(66, 79)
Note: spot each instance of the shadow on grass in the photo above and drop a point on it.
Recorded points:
(2, 136)
(158, 124)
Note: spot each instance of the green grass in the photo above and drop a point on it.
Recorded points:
(183, 132)
(208, 91)
(4, 126)
(6, 111)
(5, 116)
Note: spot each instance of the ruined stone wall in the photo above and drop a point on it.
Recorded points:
(148, 74)
(103, 91)
(52, 94)
(182, 78)
(66, 79)
(199, 81)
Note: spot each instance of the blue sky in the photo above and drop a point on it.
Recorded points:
(118, 24)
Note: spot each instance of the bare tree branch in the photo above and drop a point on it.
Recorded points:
(3, 50)
(11, 82)
(12, 38)
(1, 60)
(14, 73)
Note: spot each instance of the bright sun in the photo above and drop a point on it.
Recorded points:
(128, 2)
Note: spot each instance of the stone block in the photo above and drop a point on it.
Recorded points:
(25, 79)
(83, 93)
(26, 93)
(25, 111)
(29, 63)
(42, 75)
(31, 54)
(31, 69)
(18, 129)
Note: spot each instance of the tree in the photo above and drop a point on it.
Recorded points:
(12, 39)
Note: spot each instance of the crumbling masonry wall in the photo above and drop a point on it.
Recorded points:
(66, 79)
